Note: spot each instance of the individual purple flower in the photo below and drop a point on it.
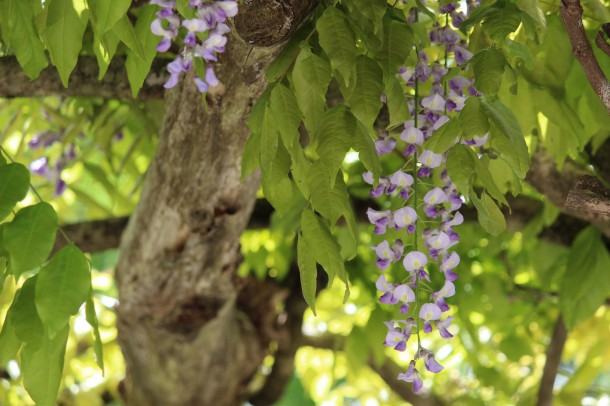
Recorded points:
(457, 18)
(429, 361)
(442, 326)
(429, 312)
(168, 35)
(385, 255)
(397, 337)
(40, 167)
(477, 141)
(438, 72)
(398, 249)
(405, 218)
(413, 136)
(411, 375)
(384, 184)
(458, 83)
(401, 181)
(228, 7)
(434, 102)
(422, 70)
(385, 146)
(449, 264)
(60, 187)
(438, 298)
(432, 199)
(404, 294)
(437, 244)
(455, 102)
(447, 8)
(430, 159)
(386, 289)
(414, 262)
(462, 55)
(175, 69)
(381, 219)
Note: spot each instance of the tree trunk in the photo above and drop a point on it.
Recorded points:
(184, 337)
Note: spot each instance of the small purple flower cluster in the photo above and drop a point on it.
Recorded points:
(42, 166)
(429, 223)
(204, 39)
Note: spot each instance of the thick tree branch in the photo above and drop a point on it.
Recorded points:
(553, 358)
(83, 81)
(589, 195)
(556, 186)
(571, 13)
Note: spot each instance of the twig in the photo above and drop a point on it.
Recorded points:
(571, 13)
(553, 358)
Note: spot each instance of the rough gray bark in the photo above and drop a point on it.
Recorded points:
(184, 337)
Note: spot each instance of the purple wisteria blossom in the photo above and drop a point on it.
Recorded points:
(424, 219)
(411, 375)
(204, 39)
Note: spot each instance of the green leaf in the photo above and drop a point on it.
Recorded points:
(281, 64)
(250, 159)
(329, 201)
(9, 342)
(14, 184)
(365, 147)
(98, 348)
(473, 119)
(29, 238)
(488, 67)
(310, 78)
(337, 41)
(483, 174)
(445, 137)
(323, 247)
(335, 136)
(532, 9)
(252, 150)
(42, 368)
(19, 32)
(397, 44)
(277, 186)
(286, 114)
(63, 286)
(126, 32)
(66, 24)
(23, 315)
(374, 10)
(108, 13)
(499, 24)
(586, 281)
(308, 273)
(508, 139)
(520, 51)
(364, 97)
(104, 48)
(143, 48)
(396, 102)
(460, 168)
(490, 217)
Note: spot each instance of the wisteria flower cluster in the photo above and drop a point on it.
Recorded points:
(204, 38)
(44, 167)
(428, 199)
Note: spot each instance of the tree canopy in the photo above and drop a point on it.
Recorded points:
(300, 202)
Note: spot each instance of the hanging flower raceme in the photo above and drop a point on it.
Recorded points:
(204, 37)
(427, 199)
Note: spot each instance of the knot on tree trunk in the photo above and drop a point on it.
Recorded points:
(265, 23)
